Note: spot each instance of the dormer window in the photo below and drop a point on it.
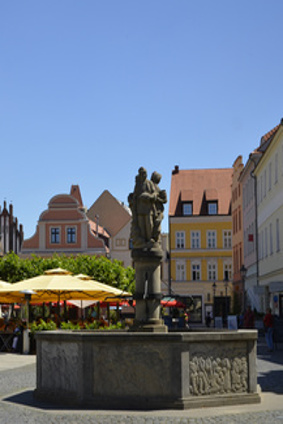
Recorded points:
(212, 208)
(187, 209)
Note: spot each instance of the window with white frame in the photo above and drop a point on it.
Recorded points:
(195, 239)
(211, 239)
(276, 169)
(227, 239)
(259, 247)
(270, 239)
(227, 270)
(55, 235)
(264, 183)
(180, 239)
(262, 245)
(187, 208)
(270, 175)
(212, 208)
(258, 194)
(277, 235)
(71, 235)
(195, 271)
(211, 271)
(180, 271)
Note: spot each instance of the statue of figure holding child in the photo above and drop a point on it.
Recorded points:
(147, 205)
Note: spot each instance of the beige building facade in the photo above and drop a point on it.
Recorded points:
(116, 218)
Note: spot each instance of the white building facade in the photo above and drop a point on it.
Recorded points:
(269, 174)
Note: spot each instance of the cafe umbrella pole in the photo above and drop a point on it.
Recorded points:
(26, 340)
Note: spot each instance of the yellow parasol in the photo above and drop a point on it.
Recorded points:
(58, 284)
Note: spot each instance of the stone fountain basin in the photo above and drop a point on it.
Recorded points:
(125, 370)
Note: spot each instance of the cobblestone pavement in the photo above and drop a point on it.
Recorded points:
(17, 405)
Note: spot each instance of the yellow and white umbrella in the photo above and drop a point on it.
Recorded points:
(58, 284)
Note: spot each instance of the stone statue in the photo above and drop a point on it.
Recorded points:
(147, 205)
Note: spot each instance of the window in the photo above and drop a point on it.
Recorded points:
(211, 272)
(264, 183)
(227, 239)
(180, 239)
(265, 241)
(187, 209)
(277, 235)
(276, 169)
(71, 235)
(120, 242)
(270, 239)
(211, 239)
(270, 176)
(195, 271)
(55, 235)
(180, 271)
(227, 270)
(195, 239)
(212, 208)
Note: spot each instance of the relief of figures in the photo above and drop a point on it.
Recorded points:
(147, 206)
(218, 376)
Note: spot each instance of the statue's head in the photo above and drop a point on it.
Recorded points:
(155, 177)
(142, 173)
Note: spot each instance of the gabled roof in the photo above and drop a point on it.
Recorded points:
(199, 186)
(112, 214)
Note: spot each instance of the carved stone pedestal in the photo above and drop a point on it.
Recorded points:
(148, 290)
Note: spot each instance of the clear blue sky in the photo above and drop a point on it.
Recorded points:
(92, 90)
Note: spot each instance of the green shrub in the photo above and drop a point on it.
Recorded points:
(42, 326)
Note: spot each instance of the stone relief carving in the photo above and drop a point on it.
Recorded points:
(218, 375)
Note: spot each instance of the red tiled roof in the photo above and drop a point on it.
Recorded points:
(268, 135)
(213, 184)
(101, 230)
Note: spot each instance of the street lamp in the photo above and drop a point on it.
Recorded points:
(226, 282)
(243, 272)
(214, 292)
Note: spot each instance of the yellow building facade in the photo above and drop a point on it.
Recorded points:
(200, 228)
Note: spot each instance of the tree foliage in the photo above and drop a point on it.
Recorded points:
(111, 272)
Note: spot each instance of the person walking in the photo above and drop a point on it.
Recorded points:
(249, 318)
(268, 322)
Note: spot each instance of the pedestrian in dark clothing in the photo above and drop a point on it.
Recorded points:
(208, 319)
(268, 322)
(249, 318)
